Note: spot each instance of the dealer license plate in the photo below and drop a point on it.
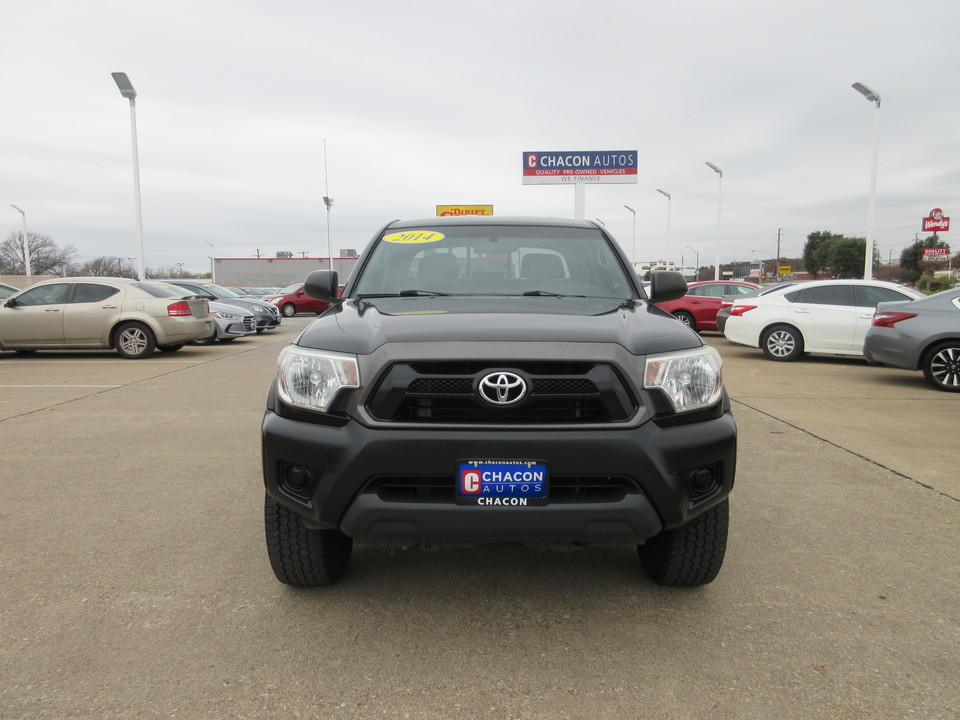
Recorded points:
(502, 483)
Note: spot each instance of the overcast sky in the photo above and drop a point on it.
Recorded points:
(426, 103)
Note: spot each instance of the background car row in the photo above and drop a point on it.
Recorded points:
(292, 300)
(886, 323)
(698, 308)
(232, 322)
(826, 316)
(266, 315)
(132, 317)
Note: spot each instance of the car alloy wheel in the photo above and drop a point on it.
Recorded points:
(782, 343)
(686, 318)
(134, 341)
(289, 310)
(942, 367)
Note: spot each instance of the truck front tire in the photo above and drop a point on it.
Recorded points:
(301, 556)
(691, 554)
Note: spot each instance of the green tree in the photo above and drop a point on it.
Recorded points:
(840, 256)
(844, 256)
(814, 252)
(46, 257)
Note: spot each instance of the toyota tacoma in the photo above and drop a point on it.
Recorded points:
(492, 380)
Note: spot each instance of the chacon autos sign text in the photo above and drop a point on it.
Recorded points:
(595, 166)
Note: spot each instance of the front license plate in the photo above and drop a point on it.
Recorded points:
(502, 483)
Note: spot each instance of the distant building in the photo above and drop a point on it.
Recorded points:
(275, 272)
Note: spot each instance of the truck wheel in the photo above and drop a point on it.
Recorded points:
(289, 310)
(691, 554)
(941, 366)
(782, 343)
(302, 556)
(134, 341)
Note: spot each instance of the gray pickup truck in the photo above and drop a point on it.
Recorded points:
(491, 380)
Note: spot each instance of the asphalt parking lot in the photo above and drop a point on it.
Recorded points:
(134, 581)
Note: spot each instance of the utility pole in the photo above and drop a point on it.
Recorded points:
(779, 230)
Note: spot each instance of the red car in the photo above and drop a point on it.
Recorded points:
(292, 300)
(698, 308)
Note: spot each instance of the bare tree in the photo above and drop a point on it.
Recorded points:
(104, 266)
(46, 258)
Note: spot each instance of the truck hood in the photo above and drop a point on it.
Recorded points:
(361, 326)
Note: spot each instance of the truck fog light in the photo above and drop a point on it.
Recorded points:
(296, 478)
(702, 481)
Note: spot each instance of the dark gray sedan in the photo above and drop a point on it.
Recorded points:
(919, 335)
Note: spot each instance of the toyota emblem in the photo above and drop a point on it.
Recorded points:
(502, 388)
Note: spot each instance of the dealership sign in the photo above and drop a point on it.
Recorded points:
(935, 253)
(936, 222)
(459, 210)
(607, 166)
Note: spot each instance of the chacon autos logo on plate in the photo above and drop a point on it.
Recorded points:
(502, 483)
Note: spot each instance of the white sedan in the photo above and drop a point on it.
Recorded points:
(822, 316)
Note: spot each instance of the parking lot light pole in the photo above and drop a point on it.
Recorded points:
(633, 255)
(667, 195)
(716, 267)
(127, 91)
(872, 205)
(26, 243)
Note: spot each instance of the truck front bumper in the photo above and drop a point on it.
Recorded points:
(398, 485)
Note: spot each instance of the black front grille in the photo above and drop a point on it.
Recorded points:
(559, 393)
(576, 489)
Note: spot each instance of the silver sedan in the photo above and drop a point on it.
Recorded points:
(919, 335)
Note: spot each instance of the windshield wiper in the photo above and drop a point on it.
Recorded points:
(402, 293)
(547, 293)
(421, 293)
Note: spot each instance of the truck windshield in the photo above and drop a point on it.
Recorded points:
(495, 260)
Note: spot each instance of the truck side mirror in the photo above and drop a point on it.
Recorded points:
(322, 285)
(667, 285)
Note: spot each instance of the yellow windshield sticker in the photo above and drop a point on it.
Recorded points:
(413, 237)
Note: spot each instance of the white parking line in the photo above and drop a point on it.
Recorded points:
(60, 386)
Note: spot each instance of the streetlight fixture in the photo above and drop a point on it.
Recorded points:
(716, 265)
(26, 243)
(213, 276)
(667, 196)
(633, 251)
(328, 201)
(127, 91)
(762, 264)
(697, 253)
(872, 205)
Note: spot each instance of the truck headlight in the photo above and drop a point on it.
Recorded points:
(691, 379)
(311, 379)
